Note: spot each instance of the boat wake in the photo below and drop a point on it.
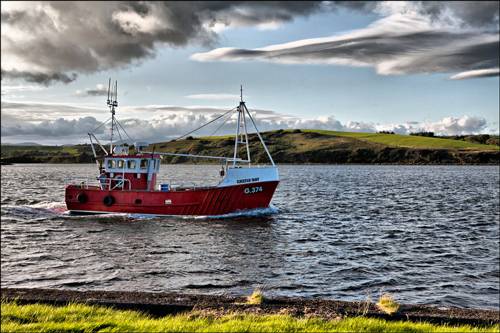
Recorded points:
(45, 209)
(41, 210)
(55, 207)
(271, 210)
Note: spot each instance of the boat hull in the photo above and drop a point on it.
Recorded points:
(196, 202)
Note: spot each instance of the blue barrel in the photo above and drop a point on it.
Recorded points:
(164, 187)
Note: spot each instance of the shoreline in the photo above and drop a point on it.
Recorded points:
(161, 304)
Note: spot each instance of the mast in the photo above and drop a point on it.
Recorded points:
(241, 137)
(237, 137)
(112, 103)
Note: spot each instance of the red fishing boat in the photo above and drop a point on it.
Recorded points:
(127, 182)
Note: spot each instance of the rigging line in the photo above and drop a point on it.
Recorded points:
(104, 122)
(119, 134)
(223, 123)
(123, 129)
(211, 121)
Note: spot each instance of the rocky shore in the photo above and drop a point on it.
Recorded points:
(160, 304)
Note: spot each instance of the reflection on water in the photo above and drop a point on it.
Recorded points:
(427, 234)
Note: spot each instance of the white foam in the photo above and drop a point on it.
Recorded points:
(242, 213)
(50, 205)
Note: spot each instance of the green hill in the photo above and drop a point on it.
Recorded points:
(293, 146)
(409, 141)
(319, 146)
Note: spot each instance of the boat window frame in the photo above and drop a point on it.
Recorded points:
(145, 167)
(131, 164)
(111, 163)
(118, 162)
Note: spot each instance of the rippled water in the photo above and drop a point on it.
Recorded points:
(426, 234)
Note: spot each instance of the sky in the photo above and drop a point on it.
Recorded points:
(349, 66)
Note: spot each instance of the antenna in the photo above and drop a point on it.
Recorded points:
(115, 102)
(241, 93)
(109, 87)
(112, 102)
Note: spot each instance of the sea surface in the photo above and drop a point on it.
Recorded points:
(425, 234)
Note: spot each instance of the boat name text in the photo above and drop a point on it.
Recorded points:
(247, 180)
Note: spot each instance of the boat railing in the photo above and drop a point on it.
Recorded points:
(175, 186)
(101, 182)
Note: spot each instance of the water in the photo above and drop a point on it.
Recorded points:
(426, 234)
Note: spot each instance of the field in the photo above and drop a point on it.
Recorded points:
(409, 141)
(84, 318)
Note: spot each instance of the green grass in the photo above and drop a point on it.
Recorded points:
(257, 297)
(84, 318)
(387, 304)
(408, 141)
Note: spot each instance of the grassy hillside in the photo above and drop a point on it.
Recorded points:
(84, 318)
(294, 146)
(47, 154)
(317, 146)
(409, 141)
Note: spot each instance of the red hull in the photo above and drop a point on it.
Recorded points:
(208, 201)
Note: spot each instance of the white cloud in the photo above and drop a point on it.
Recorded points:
(57, 123)
(406, 41)
(476, 73)
(445, 126)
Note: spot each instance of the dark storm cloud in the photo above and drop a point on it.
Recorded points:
(472, 13)
(42, 78)
(85, 37)
(49, 42)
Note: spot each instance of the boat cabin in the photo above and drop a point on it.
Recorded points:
(130, 172)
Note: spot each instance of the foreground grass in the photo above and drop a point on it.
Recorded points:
(84, 318)
(408, 141)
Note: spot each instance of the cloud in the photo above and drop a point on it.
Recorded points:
(476, 74)
(403, 42)
(464, 13)
(40, 111)
(457, 126)
(58, 128)
(214, 97)
(7, 89)
(72, 38)
(61, 124)
(446, 126)
(99, 90)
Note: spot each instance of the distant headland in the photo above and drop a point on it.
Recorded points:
(300, 147)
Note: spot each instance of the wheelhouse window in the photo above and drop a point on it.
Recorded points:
(131, 164)
(111, 164)
(144, 164)
(121, 163)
